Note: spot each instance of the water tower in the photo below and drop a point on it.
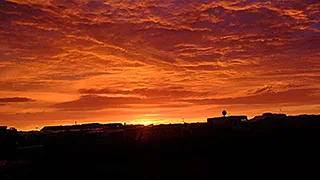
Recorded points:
(224, 113)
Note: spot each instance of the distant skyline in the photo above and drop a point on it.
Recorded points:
(156, 61)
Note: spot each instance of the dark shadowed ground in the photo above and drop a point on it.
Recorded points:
(201, 152)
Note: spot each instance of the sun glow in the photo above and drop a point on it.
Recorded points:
(146, 121)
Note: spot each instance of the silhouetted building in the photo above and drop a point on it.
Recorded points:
(91, 126)
(269, 115)
(8, 141)
(227, 121)
(2, 130)
(269, 120)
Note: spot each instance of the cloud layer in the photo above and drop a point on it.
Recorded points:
(14, 100)
(119, 60)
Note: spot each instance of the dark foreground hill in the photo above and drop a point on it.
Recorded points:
(267, 146)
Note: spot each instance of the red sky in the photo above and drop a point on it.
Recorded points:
(156, 60)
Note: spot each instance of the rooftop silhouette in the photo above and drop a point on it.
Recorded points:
(89, 147)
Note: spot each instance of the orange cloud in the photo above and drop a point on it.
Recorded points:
(166, 57)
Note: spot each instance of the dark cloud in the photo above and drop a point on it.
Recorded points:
(71, 77)
(266, 89)
(15, 100)
(175, 93)
(24, 85)
(295, 96)
(94, 102)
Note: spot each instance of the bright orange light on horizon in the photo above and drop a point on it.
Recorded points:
(145, 121)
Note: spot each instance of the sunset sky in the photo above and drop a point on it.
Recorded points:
(156, 61)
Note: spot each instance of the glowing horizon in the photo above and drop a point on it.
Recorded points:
(123, 61)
